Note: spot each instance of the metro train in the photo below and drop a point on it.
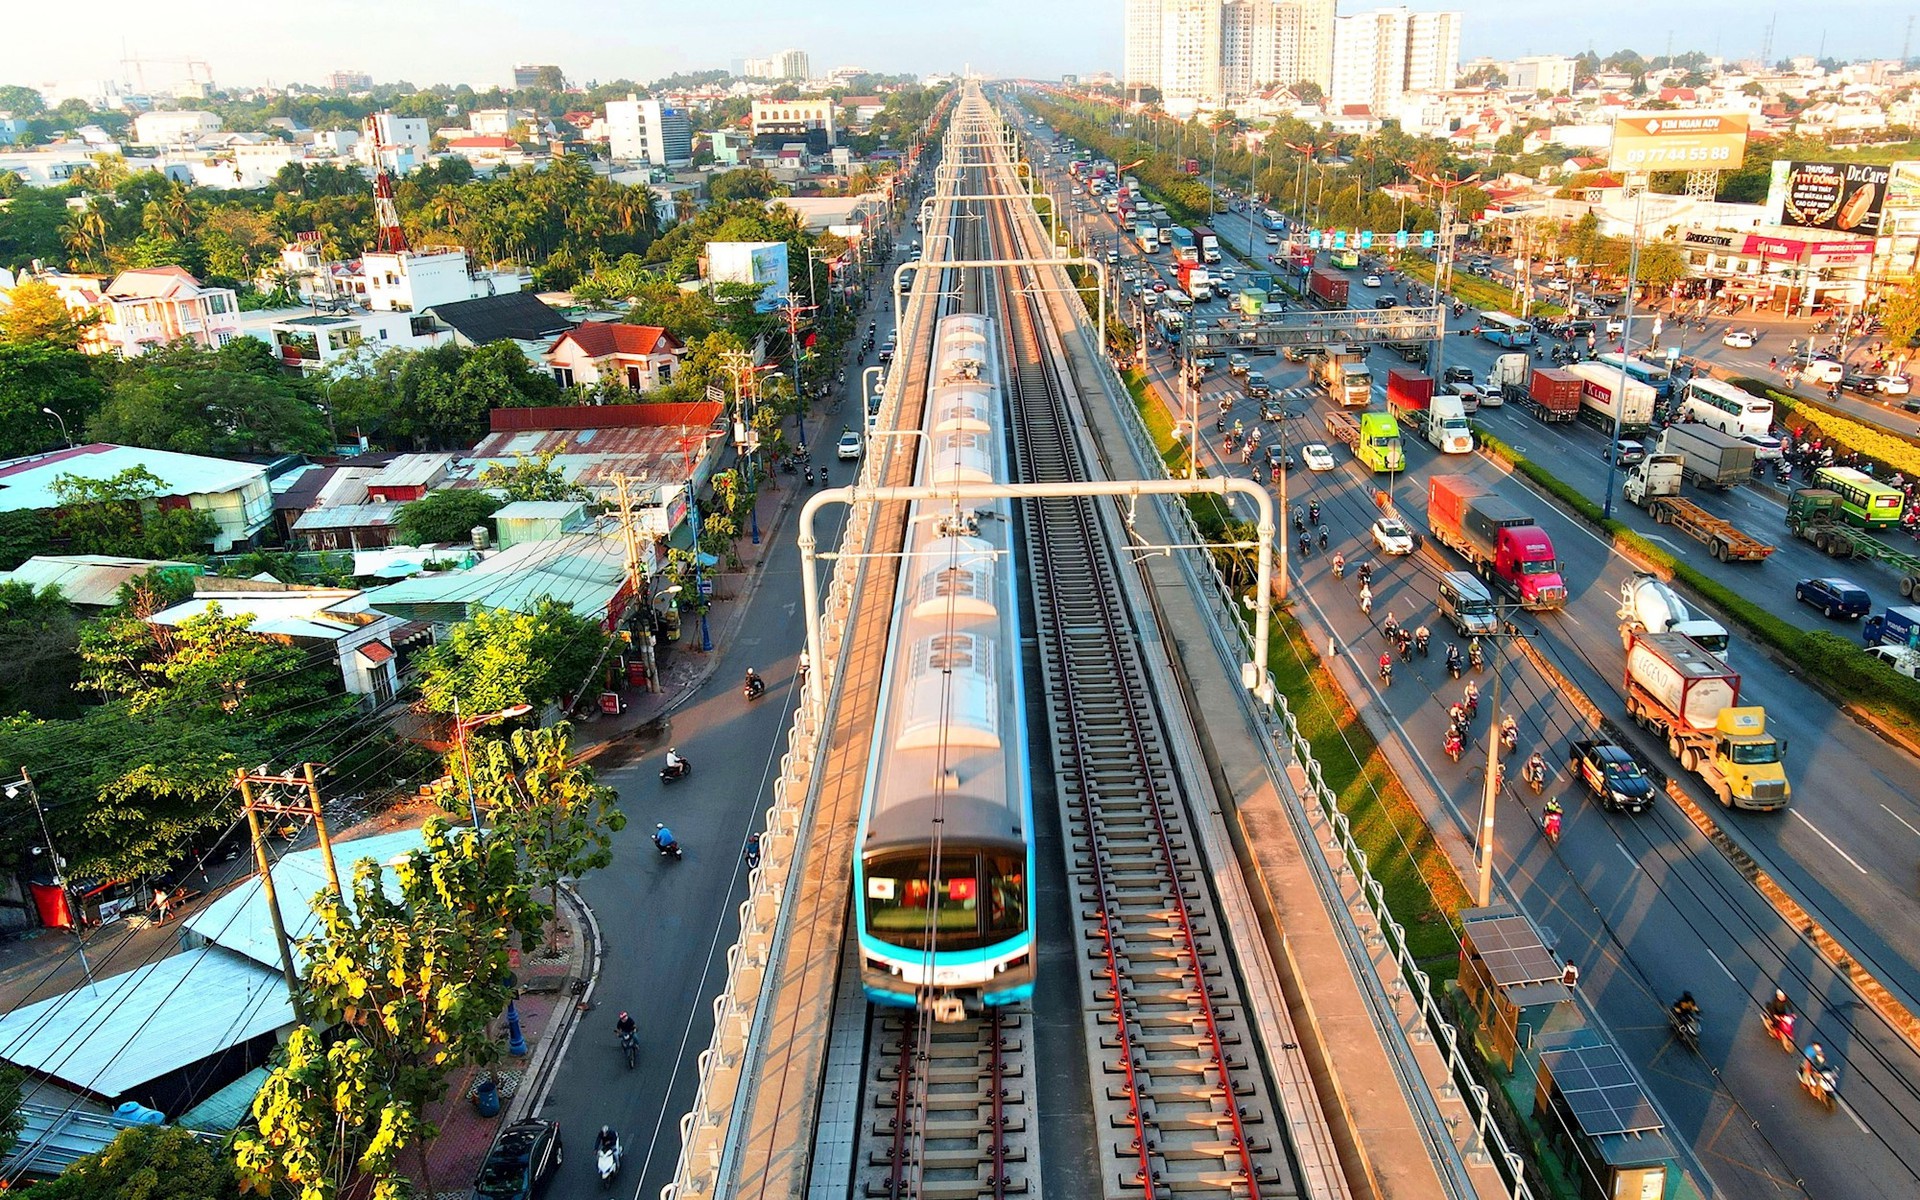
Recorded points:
(943, 873)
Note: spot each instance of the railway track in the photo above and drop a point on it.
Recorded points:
(1183, 1095)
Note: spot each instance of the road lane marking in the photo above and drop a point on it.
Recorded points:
(1654, 537)
(1896, 816)
(1628, 855)
(1723, 968)
(1848, 1109)
(1829, 841)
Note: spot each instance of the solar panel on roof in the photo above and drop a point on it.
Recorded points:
(1513, 952)
(1600, 1091)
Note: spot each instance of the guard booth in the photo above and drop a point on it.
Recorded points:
(1595, 1114)
(1512, 980)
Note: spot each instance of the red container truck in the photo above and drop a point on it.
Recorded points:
(1498, 538)
(1553, 395)
(1327, 288)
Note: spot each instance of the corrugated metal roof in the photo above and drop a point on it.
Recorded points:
(348, 516)
(240, 921)
(128, 1029)
(326, 613)
(584, 571)
(223, 1111)
(89, 579)
(412, 470)
(27, 483)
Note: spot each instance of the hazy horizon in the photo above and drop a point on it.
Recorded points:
(430, 42)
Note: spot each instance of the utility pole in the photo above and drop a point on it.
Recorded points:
(635, 584)
(311, 806)
(32, 793)
(792, 310)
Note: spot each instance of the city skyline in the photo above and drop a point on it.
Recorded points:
(435, 41)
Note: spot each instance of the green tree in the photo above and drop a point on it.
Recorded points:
(447, 516)
(38, 375)
(235, 399)
(421, 975)
(1661, 264)
(327, 1119)
(41, 634)
(497, 659)
(118, 516)
(35, 312)
(532, 477)
(1899, 314)
(12, 1085)
(537, 798)
(746, 183)
(155, 1162)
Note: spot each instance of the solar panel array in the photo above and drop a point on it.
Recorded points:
(1512, 951)
(1600, 1091)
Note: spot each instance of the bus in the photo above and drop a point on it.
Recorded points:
(1504, 330)
(1727, 408)
(1863, 502)
(1346, 260)
(1378, 445)
(1653, 375)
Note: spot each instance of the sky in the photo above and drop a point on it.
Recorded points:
(478, 41)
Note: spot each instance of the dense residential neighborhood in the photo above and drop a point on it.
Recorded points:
(381, 464)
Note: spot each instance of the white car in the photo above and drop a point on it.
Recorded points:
(1273, 239)
(1227, 274)
(1895, 385)
(849, 447)
(1739, 339)
(1392, 537)
(1822, 371)
(1370, 281)
(1317, 457)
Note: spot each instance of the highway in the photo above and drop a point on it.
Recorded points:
(1647, 906)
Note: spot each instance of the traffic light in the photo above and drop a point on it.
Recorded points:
(1426, 239)
(1400, 240)
(1366, 239)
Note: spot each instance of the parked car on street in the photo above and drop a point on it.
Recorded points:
(524, 1157)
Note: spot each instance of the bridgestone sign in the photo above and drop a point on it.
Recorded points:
(1678, 141)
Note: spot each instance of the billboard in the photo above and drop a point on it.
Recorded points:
(760, 264)
(1678, 141)
(1844, 197)
(1903, 186)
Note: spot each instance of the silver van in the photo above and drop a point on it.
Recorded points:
(1465, 601)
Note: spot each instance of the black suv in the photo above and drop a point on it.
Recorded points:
(1612, 775)
(524, 1157)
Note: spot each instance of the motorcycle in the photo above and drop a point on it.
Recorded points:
(1478, 658)
(630, 1047)
(1454, 745)
(753, 688)
(809, 476)
(1421, 640)
(1537, 775)
(1453, 663)
(1780, 1029)
(1509, 739)
(823, 477)
(668, 849)
(677, 772)
(1386, 671)
(1339, 567)
(1686, 1030)
(1820, 1083)
(607, 1159)
(1552, 826)
(787, 467)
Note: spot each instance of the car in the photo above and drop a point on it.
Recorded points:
(1835, 597)
(1470, 396)
(1765, 449)
(1113, 256)
(1391, 536)
(1898, 657)
(1611, 775)
(1317, 457)
(1228, 274)
(1386, 302)
(1238, 364)
(1273, 239)
(1626, 450)
(1276, 457)
(1895, 384)
(1616, 326)
(1370, 281)
(1862, 383)
(1823, 371)
(1271, 409)
(1257, 385)
(1159, 285)
(522, 1160)
(1739, 339)
(1294, 353)
(1458, 375)
(849, 447)
(1490, 396)
(1555, 285)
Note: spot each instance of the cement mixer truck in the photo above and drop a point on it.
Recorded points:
(1648, 603)
(1676, 688)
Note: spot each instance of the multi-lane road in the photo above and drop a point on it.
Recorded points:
(1646, 905)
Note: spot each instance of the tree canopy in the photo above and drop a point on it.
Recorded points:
(231, 400)
(498, 659)
(447, 516)
(154, 1162)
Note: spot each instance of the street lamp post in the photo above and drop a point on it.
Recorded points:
(1626, 349)
(462, 726)
(64, 435)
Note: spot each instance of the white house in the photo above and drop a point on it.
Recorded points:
(640, 356)
(360, 639)
(172, 128)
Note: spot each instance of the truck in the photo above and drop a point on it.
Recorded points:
(1252, 301)
(1497, 538)
(1194, 281)
(1649, 603)
(1654, 482)
(1814, 515)
(1439, 419)
(1602, 400)
(1342, 370)
(1413, 352)
(1327, 288)
(1508, 376)
(1897, 626)
(1208, 243)
(1552, 395)
(1375, 438)
(1678, 688)
(1708, 457)
(1184, 250)
(1148, 236)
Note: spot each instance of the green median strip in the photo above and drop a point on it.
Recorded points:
(1833, 663)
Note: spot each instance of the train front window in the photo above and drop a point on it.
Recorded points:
(973, 899)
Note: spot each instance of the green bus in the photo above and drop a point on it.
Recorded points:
(1378, 445)
(1863, 502)
(1346, 260)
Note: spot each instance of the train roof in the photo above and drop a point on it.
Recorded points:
(966, 820)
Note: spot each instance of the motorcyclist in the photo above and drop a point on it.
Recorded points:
(1552, 818)
(1813, 1064)
(625, 1025)
(755, 684)
(1779, 1011)
(1509, 733)
(1386, 666)
(1339, 565)
(675, 764)
(1453, 658)
(1313, 511)
(1390, 626)
(1470, 700)
(1366, 599)
(663, 838)
(1420, 639)
(607, 1141)
(1454, 745)
(1537, 771)
(1685, 1010)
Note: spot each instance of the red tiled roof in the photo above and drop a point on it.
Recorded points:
(481, 143)
(600, 338)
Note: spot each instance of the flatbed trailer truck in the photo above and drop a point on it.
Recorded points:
(1813, 515)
